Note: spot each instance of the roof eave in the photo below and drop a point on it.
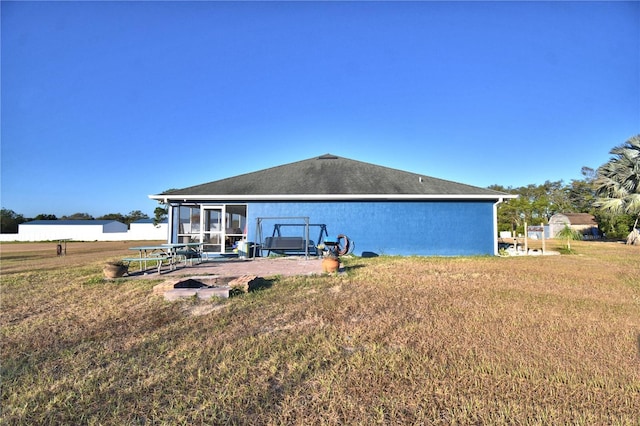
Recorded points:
(329, 197)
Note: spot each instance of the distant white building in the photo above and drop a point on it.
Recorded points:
(144, 229)
(88, 230)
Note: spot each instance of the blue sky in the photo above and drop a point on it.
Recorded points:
(104, 103)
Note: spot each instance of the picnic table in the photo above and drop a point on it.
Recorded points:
(165, 253)
(188, 252)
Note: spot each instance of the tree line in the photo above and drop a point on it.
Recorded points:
(9, 220)
(611, 193)
(537, 203)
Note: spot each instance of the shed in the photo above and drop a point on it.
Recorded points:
(583, 222)
(383, 210)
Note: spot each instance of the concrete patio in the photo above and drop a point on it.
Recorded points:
(234, 267)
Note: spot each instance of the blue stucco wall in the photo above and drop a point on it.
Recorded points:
(440, 228)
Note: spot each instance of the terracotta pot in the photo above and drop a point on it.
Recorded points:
(330, 264)
(112, 270)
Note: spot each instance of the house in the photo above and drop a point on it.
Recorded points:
(381, 210)
(583, 222)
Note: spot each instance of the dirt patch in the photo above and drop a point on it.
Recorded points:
(43, 255)
(203, 309)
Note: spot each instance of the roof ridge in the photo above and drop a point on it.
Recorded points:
(330, 174)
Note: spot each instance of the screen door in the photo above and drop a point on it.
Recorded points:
(213, 229)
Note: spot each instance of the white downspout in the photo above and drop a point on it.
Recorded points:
(495, 226)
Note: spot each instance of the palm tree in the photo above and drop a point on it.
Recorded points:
(618, 182)
(569, 234)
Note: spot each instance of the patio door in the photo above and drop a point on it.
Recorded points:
(213, 226)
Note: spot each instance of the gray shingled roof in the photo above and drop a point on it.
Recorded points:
(578, 218)
(330, 175)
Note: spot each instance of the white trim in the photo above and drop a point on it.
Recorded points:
(495, 226)
(329, 197)
(170, 230)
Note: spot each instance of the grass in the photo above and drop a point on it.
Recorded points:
(397, 340)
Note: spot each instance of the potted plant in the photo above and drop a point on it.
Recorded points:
(330, 257)
(115, 269)
(330, 263)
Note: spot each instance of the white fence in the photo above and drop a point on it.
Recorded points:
(137, 232)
